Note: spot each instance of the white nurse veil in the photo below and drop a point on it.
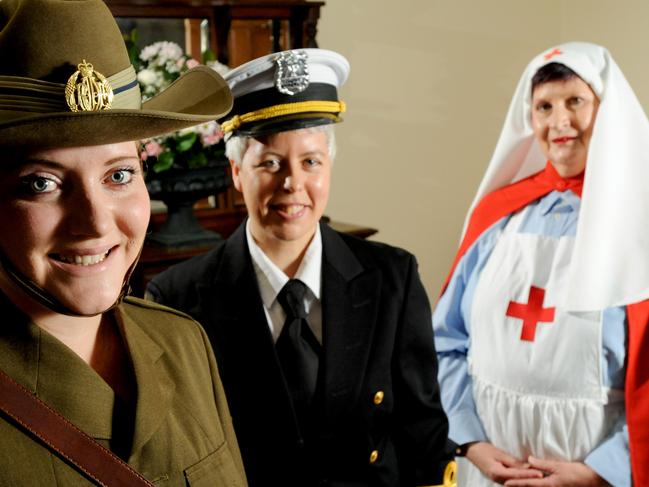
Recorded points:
(610, 263)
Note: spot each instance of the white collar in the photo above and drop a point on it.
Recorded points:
(272, 279)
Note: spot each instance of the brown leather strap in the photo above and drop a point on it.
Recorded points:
(64, 438)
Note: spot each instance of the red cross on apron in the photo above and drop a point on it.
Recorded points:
(531, 313)
(547, 378)
(555, 52)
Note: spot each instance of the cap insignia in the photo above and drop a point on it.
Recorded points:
(292, 72)
(88, 90)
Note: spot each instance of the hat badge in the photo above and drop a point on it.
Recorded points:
(88, 90)
(292, 72)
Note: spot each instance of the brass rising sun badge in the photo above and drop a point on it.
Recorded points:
(88, 90)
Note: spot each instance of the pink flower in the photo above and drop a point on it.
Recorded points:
(144, 156)
(192, 63)
(211, 139)
(152, 148)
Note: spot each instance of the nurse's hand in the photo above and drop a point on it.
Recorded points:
(559, 474)
(498, 465)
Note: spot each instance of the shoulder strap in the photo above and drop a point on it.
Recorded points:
(64, 438)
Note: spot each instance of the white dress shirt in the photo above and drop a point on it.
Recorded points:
(271, 279)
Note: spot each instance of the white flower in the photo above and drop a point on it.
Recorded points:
(162, 62)
(220, 68)
(207, 128)
(172, 67)
(170, 51)
(147, 77)
(149, 51)
(160, 81)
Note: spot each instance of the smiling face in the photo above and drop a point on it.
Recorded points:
(563, 115)
(74, 220)
(285, 179)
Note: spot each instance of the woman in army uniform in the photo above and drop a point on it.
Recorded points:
(136, 378)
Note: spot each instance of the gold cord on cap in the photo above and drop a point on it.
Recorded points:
(91, 93)
(284, 109)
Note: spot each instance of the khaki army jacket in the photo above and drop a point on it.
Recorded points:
(180, 431)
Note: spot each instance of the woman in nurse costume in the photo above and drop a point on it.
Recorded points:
(541, 320)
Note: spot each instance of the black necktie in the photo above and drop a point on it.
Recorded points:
(297, 346)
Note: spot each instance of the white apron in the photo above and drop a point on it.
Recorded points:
(536, 369)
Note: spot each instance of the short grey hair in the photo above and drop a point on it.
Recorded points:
(236, 146)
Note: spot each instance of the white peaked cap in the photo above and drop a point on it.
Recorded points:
(288, 90)
(324, 67)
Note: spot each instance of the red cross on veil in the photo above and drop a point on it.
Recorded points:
(531, 313)
(554, 52)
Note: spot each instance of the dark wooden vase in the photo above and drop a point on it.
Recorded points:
(179, 189)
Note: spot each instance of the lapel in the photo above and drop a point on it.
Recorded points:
(61, 379)
(236, 322)
(231, 295)
(350, 301)
(155, 388)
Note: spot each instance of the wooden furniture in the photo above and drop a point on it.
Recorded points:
(239, 30)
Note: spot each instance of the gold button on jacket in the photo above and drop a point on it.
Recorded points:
(374, 456)
(378, 397)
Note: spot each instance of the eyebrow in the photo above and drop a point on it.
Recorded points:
(313, 152)
(271, 152)
(58, 165)
(41, 162)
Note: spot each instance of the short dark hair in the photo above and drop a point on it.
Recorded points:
(552, 72)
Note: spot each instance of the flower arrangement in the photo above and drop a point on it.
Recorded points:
(158, 65)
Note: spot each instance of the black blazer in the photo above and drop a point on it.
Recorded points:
(378, 388)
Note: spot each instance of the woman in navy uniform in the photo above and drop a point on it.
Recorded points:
(323, 340)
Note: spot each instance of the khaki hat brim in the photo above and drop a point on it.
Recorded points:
(199, 96)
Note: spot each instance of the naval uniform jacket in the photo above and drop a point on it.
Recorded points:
(379, 418)
(180, 433)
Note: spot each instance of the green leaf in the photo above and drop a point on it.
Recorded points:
(197, 160)
(165, 161)
(130, 40)
(208, 55)
(186, 141)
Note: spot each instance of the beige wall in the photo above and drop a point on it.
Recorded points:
(430, 84)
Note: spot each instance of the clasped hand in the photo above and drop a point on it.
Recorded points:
(505, 469)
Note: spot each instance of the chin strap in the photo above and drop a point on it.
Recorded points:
(44, 298)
